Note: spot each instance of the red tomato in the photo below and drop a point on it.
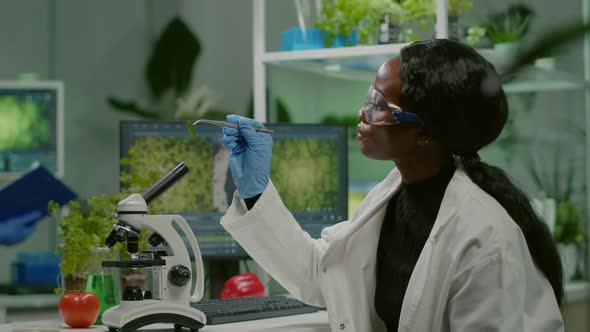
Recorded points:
(242, 285)
(79, 309)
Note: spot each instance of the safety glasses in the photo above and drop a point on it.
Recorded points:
(378, 111)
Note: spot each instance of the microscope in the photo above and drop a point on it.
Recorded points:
(172, 274)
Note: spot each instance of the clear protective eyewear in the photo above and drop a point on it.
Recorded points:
(379, 111)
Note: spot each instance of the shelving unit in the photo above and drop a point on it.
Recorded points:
(359, 64)
(262, 57)
(336, 63)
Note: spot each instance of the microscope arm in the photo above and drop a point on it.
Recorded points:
(163, 225)
(200, 275)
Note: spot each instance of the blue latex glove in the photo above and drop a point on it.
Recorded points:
(250, 155)
(16, 229)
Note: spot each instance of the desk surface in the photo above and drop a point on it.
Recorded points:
(314, 322)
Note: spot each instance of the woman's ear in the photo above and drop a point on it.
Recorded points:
(423, 139)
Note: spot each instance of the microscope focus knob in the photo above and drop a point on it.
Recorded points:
(179, 275)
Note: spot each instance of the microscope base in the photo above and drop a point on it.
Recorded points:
(130, 316)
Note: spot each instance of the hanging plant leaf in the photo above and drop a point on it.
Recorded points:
(282, 112)
(131, 107)
(171, 64)
(548, 43)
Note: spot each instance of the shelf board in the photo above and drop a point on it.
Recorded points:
(328, 69)
(29, 301)
(327, 53)
(538, 79)
(541, 86)
(577, 291)
(533, 79)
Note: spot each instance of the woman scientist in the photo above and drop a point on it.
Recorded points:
(444, 243)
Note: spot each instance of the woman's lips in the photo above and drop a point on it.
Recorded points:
(360, 136)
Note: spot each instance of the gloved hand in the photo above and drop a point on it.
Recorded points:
(250, 155)
(16, 229)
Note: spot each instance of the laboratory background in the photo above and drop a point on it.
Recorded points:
(97, 100)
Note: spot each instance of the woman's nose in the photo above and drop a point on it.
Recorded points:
(361, 114)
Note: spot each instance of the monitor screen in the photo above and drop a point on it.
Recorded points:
(308, 168)
(31, 119)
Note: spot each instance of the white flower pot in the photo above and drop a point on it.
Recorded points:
(547, 63)
(506, 49)
(569, 258)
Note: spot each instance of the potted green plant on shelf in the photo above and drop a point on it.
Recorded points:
(474, 35)
(340, 20)
(419, 11)
(506, 28)
(418, 16)
(423, 12)
(456, 9)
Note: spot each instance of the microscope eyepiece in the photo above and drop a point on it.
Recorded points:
(160, 186)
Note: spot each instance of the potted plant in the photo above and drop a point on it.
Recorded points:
(558, 185)
(505, 29)
(382, 14)
(168, 72)
(346, 22)
(475, 34)
(455, 9)
(85, 225)
(420, 11)
(81, 229)
(569, 233)
(423, 12)
(418, 17)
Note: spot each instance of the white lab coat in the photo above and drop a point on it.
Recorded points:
(475, 272)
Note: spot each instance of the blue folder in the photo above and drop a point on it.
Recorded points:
(33, 191)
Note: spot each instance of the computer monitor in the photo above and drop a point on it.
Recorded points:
(31, 127)
(308, 168)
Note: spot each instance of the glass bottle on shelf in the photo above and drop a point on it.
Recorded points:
(389, 32)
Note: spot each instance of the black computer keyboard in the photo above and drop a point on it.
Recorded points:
(250, 308)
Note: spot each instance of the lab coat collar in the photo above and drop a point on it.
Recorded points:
(454, 194)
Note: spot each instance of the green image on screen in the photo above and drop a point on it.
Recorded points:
(305, 173)
(150, 157)
(24, 123)
(30, 126)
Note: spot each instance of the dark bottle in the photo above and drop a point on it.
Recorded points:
(389, 32)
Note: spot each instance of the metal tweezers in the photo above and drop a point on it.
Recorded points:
(231, 125)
